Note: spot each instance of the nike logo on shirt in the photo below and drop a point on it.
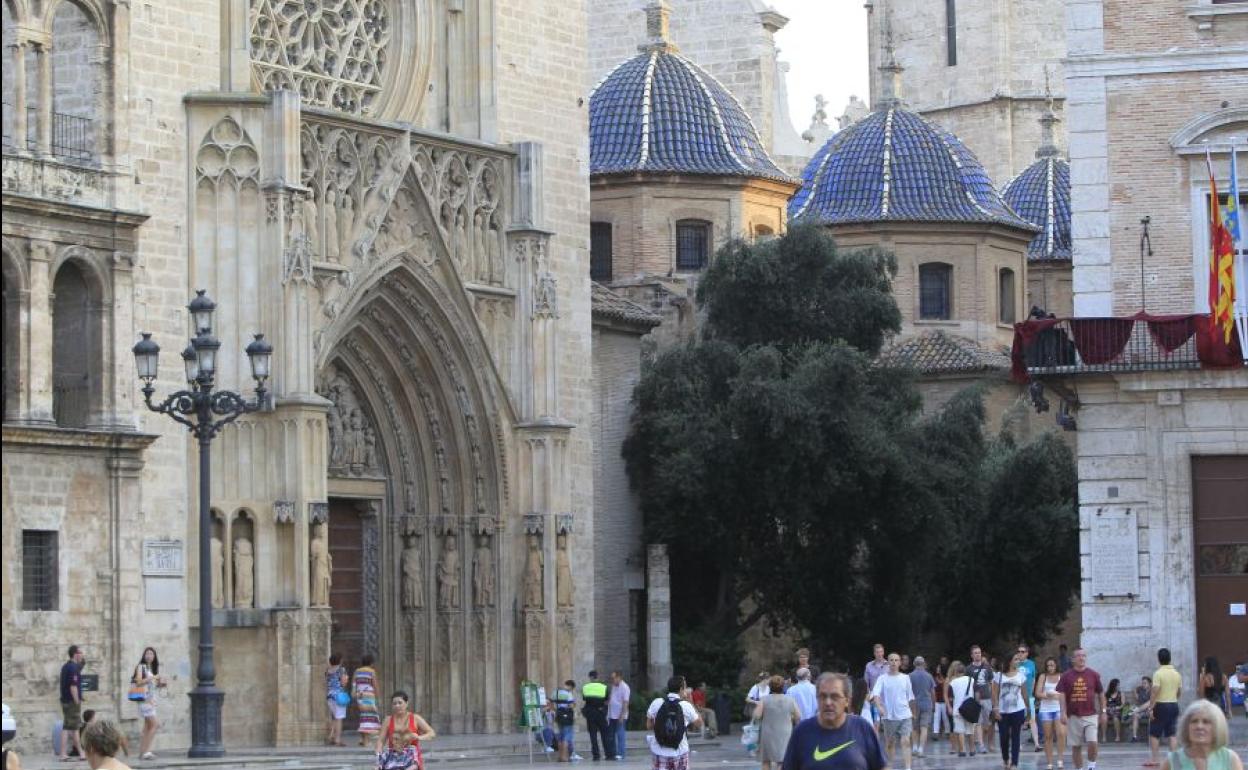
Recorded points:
(822, 755)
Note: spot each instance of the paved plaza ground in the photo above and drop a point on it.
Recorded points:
(479, 752)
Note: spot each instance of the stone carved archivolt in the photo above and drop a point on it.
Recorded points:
(352, 435)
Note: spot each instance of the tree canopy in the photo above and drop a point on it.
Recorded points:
(781, 462)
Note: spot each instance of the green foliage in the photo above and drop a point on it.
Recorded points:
(781, 463)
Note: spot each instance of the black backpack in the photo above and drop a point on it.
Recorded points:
(669, 724)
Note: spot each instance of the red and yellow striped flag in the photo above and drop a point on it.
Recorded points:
(1221, 265)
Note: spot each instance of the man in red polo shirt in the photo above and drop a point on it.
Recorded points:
(1083, 708)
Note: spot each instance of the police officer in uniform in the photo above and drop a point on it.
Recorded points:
(594, 709)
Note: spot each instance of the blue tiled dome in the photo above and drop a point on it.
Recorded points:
(893, 165)
(1041, 195)
(661, 112)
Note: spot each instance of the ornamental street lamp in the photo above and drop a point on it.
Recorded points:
(204, 411)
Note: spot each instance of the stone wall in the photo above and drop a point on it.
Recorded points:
(1137, 436)
(993, 97)
(619, 556)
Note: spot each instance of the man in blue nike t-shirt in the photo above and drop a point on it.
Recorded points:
(834, 739)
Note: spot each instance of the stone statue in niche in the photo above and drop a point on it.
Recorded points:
(494, 242)
(352, 437)
(563, 572)
(534, 565)
(310, 224)
(322, 565)
(413, 593)
(353, 443)
(334, 420)
(480, 231)
(460, 236)
(370, 447)
(331, 224)
(218, 573)
(483, 573)
(448, 574)
(346, 223)
(244, 573)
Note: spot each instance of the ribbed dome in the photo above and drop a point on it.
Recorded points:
(661, 112)
(1041, 195)
(893, 165)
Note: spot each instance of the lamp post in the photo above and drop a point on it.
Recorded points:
(204, 411)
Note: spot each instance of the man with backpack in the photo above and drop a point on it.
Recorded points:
(669, 719)
(564, 707)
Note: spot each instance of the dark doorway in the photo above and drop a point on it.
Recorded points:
(1220, 523)
(346, 595)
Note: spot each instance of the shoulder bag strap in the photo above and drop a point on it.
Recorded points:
(970, 682)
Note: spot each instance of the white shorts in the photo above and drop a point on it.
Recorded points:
(336, 710)
(147, 709)
(960, 727)
(1081, 730)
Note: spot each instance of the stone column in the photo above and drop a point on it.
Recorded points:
(658, 616)
(17, 60)
(43, 125)
(39, 379)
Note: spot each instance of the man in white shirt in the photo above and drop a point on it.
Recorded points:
(671, 757)
(893, 696)
(803, 693)
(617, 712)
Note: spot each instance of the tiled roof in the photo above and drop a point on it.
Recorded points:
(1041, 195)
(894, 165)
(936, 352)
(660, 112)
(609, 305)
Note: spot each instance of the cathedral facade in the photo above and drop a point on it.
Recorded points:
(395, 192)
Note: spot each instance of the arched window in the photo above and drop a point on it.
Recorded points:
(72, 343)
(1005, 296)
(935, 291)
(76, 86)
(693, 244)
(600, 251)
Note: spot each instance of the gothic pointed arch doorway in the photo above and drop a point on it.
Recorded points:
(414, 446)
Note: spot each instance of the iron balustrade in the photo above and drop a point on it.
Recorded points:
(73, 136)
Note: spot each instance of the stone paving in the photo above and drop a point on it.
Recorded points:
(481, 752)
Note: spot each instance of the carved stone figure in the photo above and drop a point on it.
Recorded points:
(370, 448)
(480, 260)
(334, 420)
(483, 573)
(460, 236)
(493, 241)
(353, 443)
(218, 573)
(331, 224)
(534, 565)
(448, 574)
(244, 573)
(311, 225)
(322, 565)
(413, 594)
(346, 223)
(563, 572)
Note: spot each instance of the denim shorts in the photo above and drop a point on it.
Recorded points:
(1048, 716)
(566, 732)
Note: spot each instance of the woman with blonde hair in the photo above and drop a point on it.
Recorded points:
(1203, 738)
(101, 742)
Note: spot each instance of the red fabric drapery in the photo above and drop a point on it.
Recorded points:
(1100, 340)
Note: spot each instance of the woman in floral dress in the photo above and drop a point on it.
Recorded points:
(364, 688)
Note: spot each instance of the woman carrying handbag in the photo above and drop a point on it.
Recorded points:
(398, 743)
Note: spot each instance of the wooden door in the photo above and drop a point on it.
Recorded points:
(346, 594)
(1220, 521)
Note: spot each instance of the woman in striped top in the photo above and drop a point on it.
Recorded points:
(364, 688)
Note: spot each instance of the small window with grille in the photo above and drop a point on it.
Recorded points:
(935, 291)
(693, 244)
(39, 570)
(600, 251)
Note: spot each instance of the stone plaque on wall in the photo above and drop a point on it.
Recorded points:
(162, 558)
(1115, 560)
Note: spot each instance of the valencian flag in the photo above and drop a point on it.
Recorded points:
(1221, 267)
(1235, 227)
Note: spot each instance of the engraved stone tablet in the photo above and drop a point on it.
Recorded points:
(1115, 553)
(162, 557)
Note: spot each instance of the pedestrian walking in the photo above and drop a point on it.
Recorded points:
(1163, 714)
(960, 689)
(1083, 708)
(836, 739)
(875, 668)
(564, 707)
(71, 701)
(981, 673)
(803, 662)
(336, 698)
(894, 702)
(755, 696)
(594, 709)
(1010, 708)
(776, 716)
(145, 679)
(1049, 712)
(1029, 667)
(617, 713)
(101, 743)
(1212, 683)
(942, 723)
(1204, 734)
(364, 690)
(803, 694)
(924, 686)
(669, 720)
(398, 743)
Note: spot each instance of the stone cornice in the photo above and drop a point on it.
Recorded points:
(73, 211)
(53, 438)
(1111, 65)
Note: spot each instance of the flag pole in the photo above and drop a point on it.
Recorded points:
(1240, 244)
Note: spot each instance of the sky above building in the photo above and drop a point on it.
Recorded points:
(825, 44)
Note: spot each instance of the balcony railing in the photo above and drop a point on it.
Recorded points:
(72, 135)
(1139, 343)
